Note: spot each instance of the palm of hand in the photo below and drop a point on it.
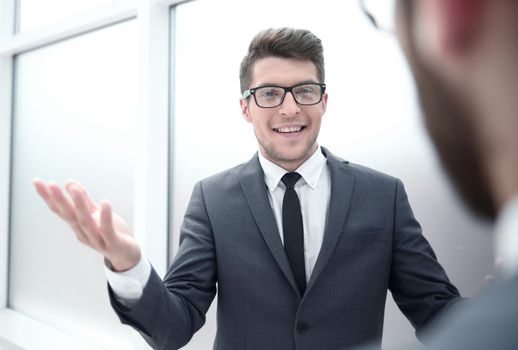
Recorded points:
(94, 225)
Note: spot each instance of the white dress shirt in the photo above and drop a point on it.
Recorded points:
(507, 238)
(314, 191)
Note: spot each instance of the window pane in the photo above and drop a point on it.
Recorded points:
(75, 112)
(37, 13)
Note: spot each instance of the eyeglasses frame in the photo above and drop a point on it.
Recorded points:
(251, 92)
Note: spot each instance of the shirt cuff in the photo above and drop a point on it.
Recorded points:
(506, 244)
(128, 285)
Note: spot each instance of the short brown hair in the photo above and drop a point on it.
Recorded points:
(286, 43)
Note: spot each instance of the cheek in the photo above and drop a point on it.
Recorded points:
(260, 119)
(316, 118)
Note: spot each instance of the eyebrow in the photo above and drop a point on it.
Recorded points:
(311, 81)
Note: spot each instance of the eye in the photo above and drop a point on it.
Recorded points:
(306, 90)
(268, 92)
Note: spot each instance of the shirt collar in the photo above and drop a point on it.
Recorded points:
(310, 170)
(506, 231)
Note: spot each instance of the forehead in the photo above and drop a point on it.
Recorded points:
(283, 71)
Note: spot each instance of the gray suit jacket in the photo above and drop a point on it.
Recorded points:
(229, 241)
(487, 322)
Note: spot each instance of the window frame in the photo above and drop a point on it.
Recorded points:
(152, 164)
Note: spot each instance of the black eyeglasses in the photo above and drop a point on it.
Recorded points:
(305, 94)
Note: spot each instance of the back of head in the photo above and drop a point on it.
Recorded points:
(284, 43)
(464, 56)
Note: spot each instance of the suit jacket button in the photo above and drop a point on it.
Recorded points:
(302, 327)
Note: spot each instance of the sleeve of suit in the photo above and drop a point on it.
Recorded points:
(171, 311)
(418, 283)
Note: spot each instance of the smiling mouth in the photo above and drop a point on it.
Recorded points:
(291, 129)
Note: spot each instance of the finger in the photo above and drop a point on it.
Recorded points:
(80, 235)
(91, 205)
(64, 205)
(43, 191)
(67, 212)
(84, 218)
(106, 226)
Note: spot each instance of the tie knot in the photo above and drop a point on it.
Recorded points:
(290, 179)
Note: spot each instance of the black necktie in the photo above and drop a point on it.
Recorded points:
(293, 230)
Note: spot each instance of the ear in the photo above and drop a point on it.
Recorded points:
(324, 102)
(245, 110)
(458, 22)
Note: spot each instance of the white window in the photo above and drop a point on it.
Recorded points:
(35, 14)
(87, 98)
(75, 115)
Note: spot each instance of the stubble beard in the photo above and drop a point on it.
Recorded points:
(276, 156)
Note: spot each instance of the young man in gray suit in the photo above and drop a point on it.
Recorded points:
(464, 57)
(301, 245)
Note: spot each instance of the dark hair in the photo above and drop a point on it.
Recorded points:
(285, 43)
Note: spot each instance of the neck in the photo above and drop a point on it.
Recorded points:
(493, 86)
(502, 164)
(498, 141)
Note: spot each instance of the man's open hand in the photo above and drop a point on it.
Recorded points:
(94, 225)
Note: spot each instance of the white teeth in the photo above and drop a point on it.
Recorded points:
(289, 129)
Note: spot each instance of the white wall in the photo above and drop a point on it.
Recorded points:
(372, 119)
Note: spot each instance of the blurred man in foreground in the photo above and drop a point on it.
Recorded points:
(464, 57)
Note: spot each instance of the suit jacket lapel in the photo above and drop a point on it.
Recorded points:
(342, 183)
(255, 191)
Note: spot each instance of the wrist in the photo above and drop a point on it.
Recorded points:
(121, 265)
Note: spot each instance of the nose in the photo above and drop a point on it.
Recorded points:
(289, 106)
